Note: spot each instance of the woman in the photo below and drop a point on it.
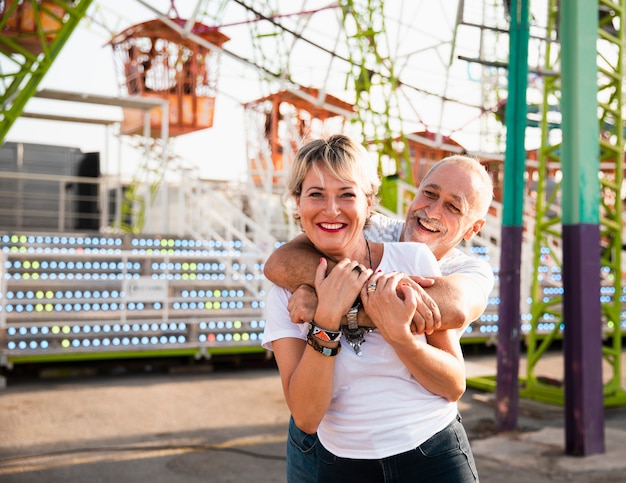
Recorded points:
(380, 400)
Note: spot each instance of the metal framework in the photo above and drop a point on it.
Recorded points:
(541, 301)
(32, 34)
(546, 315)
(373, 77)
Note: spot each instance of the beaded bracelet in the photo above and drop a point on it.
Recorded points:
(327, 351)
(323, 334)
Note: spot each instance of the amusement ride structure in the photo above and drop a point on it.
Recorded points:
(412, 90)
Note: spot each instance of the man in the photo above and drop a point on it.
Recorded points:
(451, 205)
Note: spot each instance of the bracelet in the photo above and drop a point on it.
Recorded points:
(327, 351)
(323, 334)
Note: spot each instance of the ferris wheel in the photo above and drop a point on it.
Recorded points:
(398, 63)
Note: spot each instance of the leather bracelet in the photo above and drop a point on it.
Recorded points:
(327, 351)
(323, 334)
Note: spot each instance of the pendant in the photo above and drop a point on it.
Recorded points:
(355, 336)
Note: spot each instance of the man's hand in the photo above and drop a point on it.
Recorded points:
(427, 316)
(302, 304)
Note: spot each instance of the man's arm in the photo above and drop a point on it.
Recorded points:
(459, 298)
(293, 264)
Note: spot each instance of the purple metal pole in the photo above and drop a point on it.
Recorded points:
(582, 340)
(507, 378)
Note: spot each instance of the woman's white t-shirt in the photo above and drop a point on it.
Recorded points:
(378, 409)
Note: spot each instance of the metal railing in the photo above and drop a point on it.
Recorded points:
(49, 202)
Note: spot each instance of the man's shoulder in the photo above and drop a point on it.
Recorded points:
(411, 257)
(477, 269)
(382, 228)
(457, 261)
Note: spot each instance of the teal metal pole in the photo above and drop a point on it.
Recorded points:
(582, 336)
(507, 380)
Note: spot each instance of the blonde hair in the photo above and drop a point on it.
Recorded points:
(342, 157)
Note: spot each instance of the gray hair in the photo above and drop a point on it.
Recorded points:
(485, 184)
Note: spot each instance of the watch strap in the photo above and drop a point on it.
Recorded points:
(352, 315)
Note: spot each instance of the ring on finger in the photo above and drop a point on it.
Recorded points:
(358, 269)
(371, 287)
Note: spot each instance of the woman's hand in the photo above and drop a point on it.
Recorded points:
(391, 305)
(337, 292)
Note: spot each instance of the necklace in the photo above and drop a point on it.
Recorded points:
(356, 336)
(354, 333)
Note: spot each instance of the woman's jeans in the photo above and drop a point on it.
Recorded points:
(444, 458)
(301, 455)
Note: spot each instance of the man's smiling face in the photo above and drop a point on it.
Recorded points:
(444, 209)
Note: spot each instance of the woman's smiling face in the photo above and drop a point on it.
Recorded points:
(332, 212)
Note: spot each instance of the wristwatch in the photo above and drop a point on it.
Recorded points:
(352, 315)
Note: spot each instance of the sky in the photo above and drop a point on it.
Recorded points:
(419, 33)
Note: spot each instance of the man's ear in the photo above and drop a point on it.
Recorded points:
(370, 206)
(475, 228)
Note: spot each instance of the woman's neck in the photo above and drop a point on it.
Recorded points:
(376, 251)
(366, 253)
